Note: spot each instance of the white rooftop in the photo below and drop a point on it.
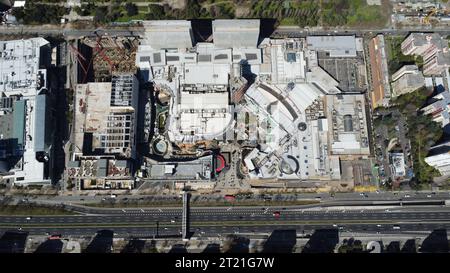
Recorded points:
(206, 73)
(336, 46)
(19, 66)
(236, 33)
(168, 34)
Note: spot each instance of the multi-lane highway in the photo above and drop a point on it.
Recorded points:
(237, 220)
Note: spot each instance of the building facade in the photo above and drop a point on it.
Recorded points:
(380, 92)
(432, 48)
(439, 158)
(406, 80)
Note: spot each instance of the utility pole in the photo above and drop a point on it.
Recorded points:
(185, 217)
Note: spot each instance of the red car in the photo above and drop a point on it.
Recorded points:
(276, 213)
(55, 237)
(230, 197)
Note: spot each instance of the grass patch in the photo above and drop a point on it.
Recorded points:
(33, 210)
(289, 21)
(125, 18)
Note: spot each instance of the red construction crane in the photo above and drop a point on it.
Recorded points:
(100, 49)
(80, 58)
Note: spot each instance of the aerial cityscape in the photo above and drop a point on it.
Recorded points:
(241, 126)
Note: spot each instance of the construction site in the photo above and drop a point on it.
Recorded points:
(97, 58)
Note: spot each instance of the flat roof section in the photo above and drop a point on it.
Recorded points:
(239, 33)
(19, 66)
(19, 121)
(206, 73)
(41, 123)
(335, 46)
(168, 34)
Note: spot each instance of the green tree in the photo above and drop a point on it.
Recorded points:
(101, 15)
(192, 10)
(131, 9)
(155, 12)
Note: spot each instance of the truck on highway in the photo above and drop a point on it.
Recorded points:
(447, 202)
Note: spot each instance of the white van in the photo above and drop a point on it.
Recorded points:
(396, 227)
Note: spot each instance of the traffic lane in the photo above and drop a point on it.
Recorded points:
(244, 230)
(100, 211)
(363, 215)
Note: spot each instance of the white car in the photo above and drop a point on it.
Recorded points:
(378, 225)
(334, 225)
(172, 221)
(28, 218)
(429, 195)
(407, 196)
(113, 196)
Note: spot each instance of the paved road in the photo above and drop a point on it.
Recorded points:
(222, 231)
(214, 221)
(136, 30)
(298, 32)
(227, 214)
(68, 32)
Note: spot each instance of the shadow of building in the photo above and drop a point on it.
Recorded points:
(322, 241)
(238, 244)
(178, 248)
(436, 242)
(50, 246)
(409, 246)
(13, 242)
(393, 247)
(101, 243)
(212, 248)
(281, 241)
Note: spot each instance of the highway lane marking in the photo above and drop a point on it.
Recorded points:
(242, 223)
